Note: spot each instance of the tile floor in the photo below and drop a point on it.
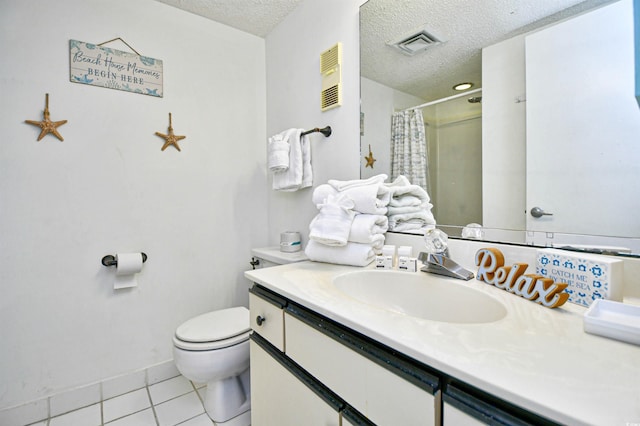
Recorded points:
(175, 401)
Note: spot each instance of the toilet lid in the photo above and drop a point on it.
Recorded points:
(214, 326)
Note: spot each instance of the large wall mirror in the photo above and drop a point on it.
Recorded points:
(544, 147)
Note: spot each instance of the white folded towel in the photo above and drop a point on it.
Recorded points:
(354, 254)
(278, 153)
(341, 185)
(333, 224)
(415, 220)
(368, 228)
(370, 199)
(405, 201)
(299, 173)
(393, 210)
(401, 187)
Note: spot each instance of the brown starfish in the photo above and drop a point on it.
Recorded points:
(47, 125)
(170, 139)
(370, 159)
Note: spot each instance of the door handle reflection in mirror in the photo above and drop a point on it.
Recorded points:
(538, 212)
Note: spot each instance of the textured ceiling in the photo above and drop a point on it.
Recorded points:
(256, 17)
(466, 26)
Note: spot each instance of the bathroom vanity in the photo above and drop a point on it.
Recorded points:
(324, 355)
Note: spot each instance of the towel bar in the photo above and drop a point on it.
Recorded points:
(325, 131)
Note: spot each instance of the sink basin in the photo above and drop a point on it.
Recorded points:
(421, 295)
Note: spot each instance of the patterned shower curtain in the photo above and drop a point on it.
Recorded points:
(409, 147)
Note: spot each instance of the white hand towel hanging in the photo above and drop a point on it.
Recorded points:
(299, 174)
(278, 153)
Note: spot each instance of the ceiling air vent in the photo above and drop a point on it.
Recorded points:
(416, 42)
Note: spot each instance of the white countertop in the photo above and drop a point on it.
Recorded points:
(535, 357)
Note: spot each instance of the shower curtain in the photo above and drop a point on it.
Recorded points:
(409, 147)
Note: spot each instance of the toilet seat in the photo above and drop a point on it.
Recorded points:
(214, 330)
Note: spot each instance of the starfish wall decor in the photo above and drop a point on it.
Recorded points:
(170, 139)
(47, 125)
(370, 159)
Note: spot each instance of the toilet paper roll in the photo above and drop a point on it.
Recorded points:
(129, 264)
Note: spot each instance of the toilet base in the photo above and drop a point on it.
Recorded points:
(243, 419)
(228, 398)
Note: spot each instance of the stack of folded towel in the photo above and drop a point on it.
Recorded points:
(409, 207)
(349, 228)
(289, 159)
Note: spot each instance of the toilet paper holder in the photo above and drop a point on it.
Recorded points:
(110, 260)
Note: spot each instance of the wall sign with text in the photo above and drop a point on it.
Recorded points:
(114, 69)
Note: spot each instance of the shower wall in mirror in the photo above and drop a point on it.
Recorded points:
(478, 155)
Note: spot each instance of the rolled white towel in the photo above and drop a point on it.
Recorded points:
(341, 185)
(368, 228)
(278, 153)
(369, 199)
(333, 224)
(354, 254)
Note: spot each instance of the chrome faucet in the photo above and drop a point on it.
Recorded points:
(442, 264)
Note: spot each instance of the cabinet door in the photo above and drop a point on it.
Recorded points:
(470, 408)
(383, 396)
(451, 416)
(280, 398)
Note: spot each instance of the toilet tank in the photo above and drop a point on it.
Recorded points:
(272, 256)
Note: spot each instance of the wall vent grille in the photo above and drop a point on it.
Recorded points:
(331, 97)
(331, 71)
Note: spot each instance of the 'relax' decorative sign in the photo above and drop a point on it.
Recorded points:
(114, 69)
(542, 290)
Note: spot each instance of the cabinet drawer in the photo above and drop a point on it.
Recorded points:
(383, 396)
(267, 319)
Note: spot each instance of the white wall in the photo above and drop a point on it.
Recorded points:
(378, 103)
(108, 187)
(293, 100)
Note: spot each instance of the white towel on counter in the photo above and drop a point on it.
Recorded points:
(354, 254)
(341, 185)
(278, 153)
(299, 173)
(370, 199)
(368, 228)
(332, 225)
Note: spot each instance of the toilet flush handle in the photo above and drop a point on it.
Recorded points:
(260, 319)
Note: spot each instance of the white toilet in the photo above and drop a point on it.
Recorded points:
(213, 348)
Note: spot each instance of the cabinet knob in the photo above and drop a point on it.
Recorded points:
(538, 212)
(260, 319)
